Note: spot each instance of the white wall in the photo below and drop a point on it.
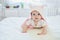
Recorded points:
(49, 10)
(52, 8)
(58, 6)
(0, 10)
(18, 12)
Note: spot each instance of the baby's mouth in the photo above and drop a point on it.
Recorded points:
(36, 18)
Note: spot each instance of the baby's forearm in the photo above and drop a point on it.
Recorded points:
(24, 29)
(44, 30)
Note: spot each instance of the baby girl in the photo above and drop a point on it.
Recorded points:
(35, 22)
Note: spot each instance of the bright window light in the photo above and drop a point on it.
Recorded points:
(27, 1)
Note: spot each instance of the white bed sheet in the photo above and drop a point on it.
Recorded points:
(54, 25)
(10, 28)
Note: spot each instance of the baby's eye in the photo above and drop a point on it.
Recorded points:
(33, 14)
(38, 14)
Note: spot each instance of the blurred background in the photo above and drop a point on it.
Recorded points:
(16, 10)
(22, 8)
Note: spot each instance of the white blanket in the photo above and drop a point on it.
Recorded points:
(10, 29)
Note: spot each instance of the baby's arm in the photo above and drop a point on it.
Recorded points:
(44, 30)
(44, 27)
(24, 28)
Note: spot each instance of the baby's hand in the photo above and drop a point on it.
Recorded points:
(41, 33)
(24, 31)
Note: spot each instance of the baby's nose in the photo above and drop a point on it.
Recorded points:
(36, 16)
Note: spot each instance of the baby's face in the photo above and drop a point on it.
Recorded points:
(35, 16)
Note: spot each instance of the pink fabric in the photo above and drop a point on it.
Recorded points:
(29, 26)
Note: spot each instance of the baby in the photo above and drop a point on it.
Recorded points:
(35, 22)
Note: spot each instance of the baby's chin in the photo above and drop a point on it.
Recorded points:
(36, 20)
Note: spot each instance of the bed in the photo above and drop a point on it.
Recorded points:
(10, 28)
